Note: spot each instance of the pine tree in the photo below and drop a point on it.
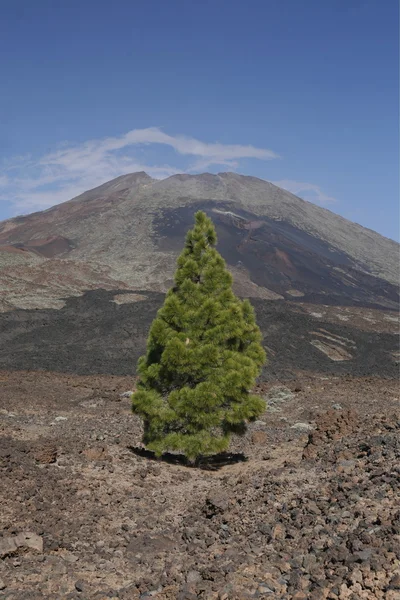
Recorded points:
(203, 356)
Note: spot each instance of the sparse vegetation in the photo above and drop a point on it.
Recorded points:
(203, 356)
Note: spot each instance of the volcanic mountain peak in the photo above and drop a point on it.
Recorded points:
(277, 245)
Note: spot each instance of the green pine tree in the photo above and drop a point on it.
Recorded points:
(203, 356)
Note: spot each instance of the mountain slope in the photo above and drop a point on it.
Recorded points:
(276, 244)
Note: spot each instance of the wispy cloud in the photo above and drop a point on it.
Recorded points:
(308, 191)
(36, 183)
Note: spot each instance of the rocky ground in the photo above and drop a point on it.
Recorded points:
(106, 332)
(307, 505)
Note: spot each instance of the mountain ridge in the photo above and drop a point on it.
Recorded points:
(133, 226)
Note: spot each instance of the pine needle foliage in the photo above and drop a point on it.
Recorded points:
(203, 356)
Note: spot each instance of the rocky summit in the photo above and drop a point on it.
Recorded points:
(126, 234)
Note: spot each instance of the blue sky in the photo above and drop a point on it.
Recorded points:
(304, 94)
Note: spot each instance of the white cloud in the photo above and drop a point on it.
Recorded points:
(308, 191)
(34, 184)
(153, 135)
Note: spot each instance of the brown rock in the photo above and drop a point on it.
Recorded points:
(394, 583)
(319, 594)
(356, 576)
(149, 545)
(217, 502)
(356, 588)
(95, 453)
(259, 438)
(331, 426)
(278, 532)
(27, 539)
(344, 592)
(45, 453)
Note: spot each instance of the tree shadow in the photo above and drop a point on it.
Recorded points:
(206, 463)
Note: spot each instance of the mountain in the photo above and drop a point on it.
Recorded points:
(126, 234)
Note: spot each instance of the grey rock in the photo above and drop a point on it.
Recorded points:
(9, 545)
(193, 577)
(302, 426)
(365, 554)
(264, 589)
(278, 394)
(79, 586)
(395, 582)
